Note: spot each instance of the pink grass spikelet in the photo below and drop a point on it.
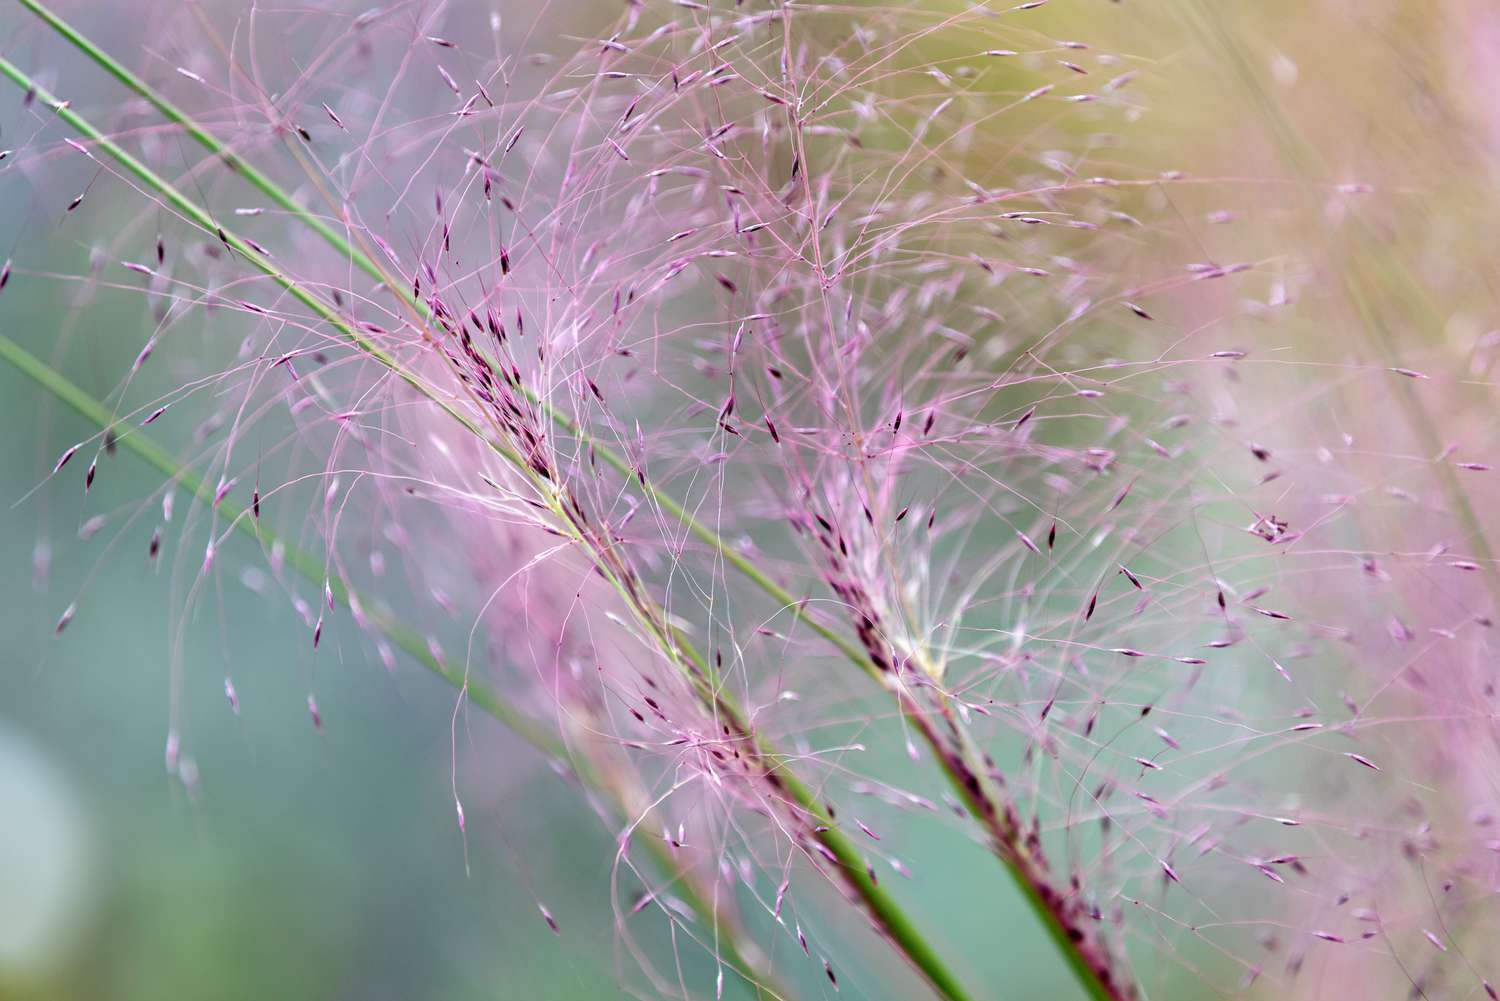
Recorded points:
(67, 454)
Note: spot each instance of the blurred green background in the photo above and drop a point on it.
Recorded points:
(327, 864)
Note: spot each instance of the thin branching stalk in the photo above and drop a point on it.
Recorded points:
(741, 954)
(964, 765)
(888, 915)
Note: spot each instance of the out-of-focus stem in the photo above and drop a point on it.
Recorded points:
(476, 691)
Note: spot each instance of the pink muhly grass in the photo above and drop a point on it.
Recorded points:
(748, 386)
